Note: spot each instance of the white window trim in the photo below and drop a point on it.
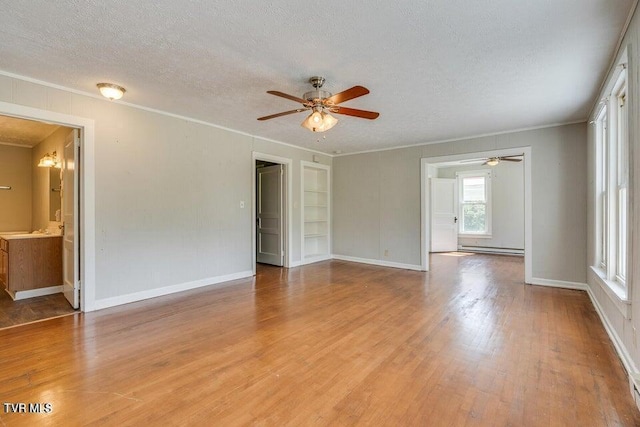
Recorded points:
(605, 272)
(615, 292)
(489, 202)
(600, 188)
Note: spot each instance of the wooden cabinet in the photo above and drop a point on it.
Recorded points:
(316, 212)
(4, 265)
(30, 263)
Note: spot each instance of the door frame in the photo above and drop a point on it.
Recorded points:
(87, 217)
(425, 205)
(287, 211)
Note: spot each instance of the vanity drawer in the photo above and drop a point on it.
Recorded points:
(4, 245)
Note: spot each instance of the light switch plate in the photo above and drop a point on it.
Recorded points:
(241, 204)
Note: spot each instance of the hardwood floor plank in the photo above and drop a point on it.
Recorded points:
(333, 343)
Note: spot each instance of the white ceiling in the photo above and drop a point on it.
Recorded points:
(27, 133)
(436, 69)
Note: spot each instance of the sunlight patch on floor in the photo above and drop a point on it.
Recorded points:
(456, 254)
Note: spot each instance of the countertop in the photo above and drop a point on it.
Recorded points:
(9, 236)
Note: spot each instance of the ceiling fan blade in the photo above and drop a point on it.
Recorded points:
(285, 95)
(348, 94)
(355, 113)
(508, 159)
(285, 113)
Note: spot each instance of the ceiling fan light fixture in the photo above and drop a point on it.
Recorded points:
(328, 121)
(111, 91)
(314, 122)
(493, 161)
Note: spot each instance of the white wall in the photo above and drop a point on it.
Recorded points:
(377, 199)
(168, 192)
(15, 204)
(624, 331)
(507, 207)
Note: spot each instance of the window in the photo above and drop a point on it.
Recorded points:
(603, 194)
(622, 175)
(612, 176)
(474, 191)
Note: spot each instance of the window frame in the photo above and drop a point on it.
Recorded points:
(611, 264)
(486, 174)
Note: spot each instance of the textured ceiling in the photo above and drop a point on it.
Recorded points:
(24, 132)
(436, 69)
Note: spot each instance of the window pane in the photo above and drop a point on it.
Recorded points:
(474, 218)
(473, 189)
(604, 244)
(621, 254)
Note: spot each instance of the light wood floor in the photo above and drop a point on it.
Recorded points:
(333, 343)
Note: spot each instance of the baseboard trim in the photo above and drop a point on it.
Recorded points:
(621, 350)
(487, 250)
(558, 284)
(315, 259)
(31, 293)
(168, 290)
(378, 262)
(293, 264)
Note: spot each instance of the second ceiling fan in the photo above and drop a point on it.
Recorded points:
(322, 103)
(493, 161)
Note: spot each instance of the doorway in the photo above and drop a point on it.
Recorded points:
(39, 242)
(469, 204)
(271, 203)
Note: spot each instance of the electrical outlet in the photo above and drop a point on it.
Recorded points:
(241, 204)
(386, 252)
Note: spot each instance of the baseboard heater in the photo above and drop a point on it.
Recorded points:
(491, 250)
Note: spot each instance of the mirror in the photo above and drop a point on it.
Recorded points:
(54, 193)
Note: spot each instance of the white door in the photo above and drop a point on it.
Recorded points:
(444, 211)
(269, 215)
(69, 193)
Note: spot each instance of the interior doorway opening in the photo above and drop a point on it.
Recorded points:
(271, 210)
(39, 216)
(478, 203)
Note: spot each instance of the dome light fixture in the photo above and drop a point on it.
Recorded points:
(111, 91)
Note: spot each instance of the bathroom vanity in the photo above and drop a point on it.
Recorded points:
(30, 264)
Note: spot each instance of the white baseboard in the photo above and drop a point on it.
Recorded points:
(315, 259)
(31, 293)
(167, 290)
(378, 262)
(486, 250)
(623, 354)
(558, 284)
(295, 264)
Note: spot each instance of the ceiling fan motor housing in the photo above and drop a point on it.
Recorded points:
(316, 96)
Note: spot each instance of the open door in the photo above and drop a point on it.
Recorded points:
(444, 211)
(269, 215)
(69, 192)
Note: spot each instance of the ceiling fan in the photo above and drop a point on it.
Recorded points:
(322, 103)
(493, 161)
